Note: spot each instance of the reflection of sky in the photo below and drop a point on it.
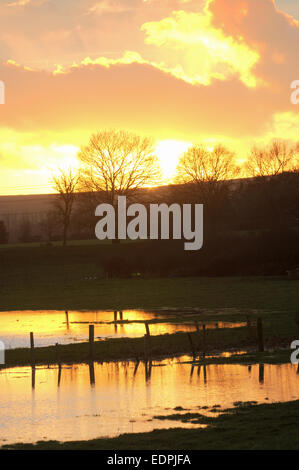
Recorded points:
(120, 401)
(52, 327)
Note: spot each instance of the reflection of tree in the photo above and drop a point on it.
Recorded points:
(65, 185)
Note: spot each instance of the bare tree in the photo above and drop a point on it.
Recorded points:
(271, 161)
(65, 184)
(209, 170)
(117, 163)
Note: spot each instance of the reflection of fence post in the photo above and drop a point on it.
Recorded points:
(91, 373)
(260, 336)
(91, 340)
(32, 347)
(33, 377)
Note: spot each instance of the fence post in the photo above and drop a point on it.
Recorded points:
(191, 345)
(121, 315)
(32, 347)
(204, 339)
(57, 353)
(260, 336)
(91, 340)
(147, 341)
(115, 315)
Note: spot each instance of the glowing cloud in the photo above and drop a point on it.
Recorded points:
(202, 51)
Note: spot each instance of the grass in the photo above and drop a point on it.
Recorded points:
(161, 346)
(246, 427)
(44, 289)
(55, 277)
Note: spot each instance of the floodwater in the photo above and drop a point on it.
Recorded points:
(64, 327)
(84, 401)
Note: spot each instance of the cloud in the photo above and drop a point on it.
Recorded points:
(23, 3)
(202, 51)
(110, 6)
(212, 73)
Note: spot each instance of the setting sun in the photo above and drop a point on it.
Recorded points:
(168, 152)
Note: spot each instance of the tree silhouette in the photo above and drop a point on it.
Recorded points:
(117, 163)
(271, 161)
(207, 173)
(65, 184)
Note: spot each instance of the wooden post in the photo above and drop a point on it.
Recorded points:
(204, 339)
(32, 347)
(67, 320)
(191, 345)
(147, 341)
(115, 316)
(197, 326)
(91, 340)
(121, 315)
(57, 353)
(260, 336)
(145, 347)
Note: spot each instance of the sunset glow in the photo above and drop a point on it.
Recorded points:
(181, 72)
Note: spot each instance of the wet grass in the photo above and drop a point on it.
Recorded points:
(168, 345)
(247, 427)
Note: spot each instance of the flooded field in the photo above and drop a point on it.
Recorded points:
(66, 327)
(89, 401)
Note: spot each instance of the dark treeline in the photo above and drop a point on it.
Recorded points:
(251, 226)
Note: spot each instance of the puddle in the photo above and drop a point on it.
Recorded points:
(62, 327)
(85, 401)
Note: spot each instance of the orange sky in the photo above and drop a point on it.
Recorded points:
(181, 71)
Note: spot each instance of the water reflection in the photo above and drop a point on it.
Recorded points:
(90, 400)
(66, 327)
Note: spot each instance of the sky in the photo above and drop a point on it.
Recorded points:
(181, 71)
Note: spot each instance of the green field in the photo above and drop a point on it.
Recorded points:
(72, 277)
